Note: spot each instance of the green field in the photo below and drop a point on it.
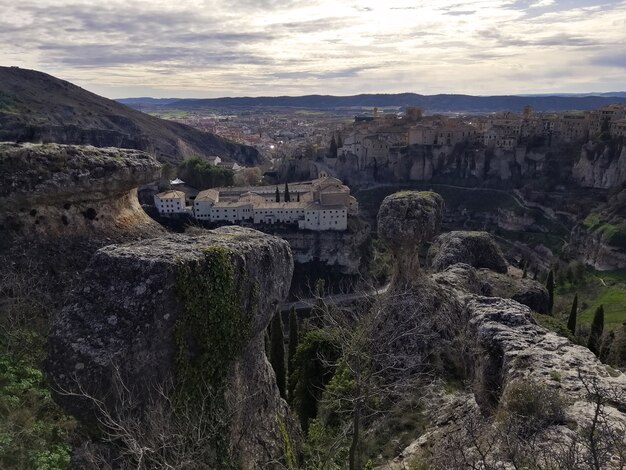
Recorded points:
(599, 288)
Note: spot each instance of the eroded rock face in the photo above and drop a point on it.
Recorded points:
(601, 166)
(405, 221)
(477, 249)
(512, 346)
(467, 280)
(57, 190)
(140, 311)
(457, 321)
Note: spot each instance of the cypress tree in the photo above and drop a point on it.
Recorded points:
(277, 194)
(525, 270)
(571, 321)
(298, 197)
(339, 141)
(291, 351)
(277, 353)
(550, 287)
(287, 195)
(597, 327)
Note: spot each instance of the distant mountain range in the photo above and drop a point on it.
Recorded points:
(36, 107)
(430, 103)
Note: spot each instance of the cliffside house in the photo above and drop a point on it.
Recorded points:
(170, 202)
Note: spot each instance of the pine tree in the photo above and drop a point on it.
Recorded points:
(277, 353)
(597, 327)
(550, 287)
(287, 195)
(277, 194)
(333, 148)
(293, 345)
(571, 321)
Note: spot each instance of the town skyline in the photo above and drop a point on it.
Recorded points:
(209, 48)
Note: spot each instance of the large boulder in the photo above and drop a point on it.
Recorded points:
(179, 318)
(477, 249)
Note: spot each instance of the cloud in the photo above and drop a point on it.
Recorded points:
(261, 47)
(616, 59)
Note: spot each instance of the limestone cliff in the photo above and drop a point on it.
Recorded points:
(460, 164)
(601, 165)
(184, 316)
(62, 190)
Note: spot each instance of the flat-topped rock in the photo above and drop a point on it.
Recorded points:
(181, 312)
(478, 249)
(406, 220)
(52, 189)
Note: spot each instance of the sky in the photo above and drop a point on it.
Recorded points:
(212, 48)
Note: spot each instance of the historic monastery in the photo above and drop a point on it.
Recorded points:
(321, 204)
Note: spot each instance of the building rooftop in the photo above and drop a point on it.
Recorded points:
(171, 194)
(208, 195)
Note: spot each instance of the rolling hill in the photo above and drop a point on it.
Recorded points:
(431, 103)
(36, 107)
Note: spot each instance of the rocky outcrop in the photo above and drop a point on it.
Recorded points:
(341, 250)
(497, 345)
(596, 251)
(601, 165)
(513, 347)
(405, 221)
(185, 315)
(63, 190)
(477, 249)
(467, 280)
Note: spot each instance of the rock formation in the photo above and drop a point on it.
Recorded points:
(62, 190)
(405, 221)
(186, 315)
(477, 249)
(500, 347)
(601, 165)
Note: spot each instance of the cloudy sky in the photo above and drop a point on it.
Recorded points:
(208, 48)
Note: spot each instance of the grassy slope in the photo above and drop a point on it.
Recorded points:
(30, 98)
(599, 288)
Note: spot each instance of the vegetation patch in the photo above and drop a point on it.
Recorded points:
(34, 432)
(613, 298)
(529, 407)
(201, 174)
(210, 334)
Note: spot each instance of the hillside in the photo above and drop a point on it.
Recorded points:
(431, 103)
(36, 107)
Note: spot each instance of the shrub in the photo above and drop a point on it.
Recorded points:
(529, 407)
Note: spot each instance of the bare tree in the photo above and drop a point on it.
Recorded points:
(163, 431)
(372, 370)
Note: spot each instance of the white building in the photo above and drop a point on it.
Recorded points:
(321, 204)
(214, 160)
(324, 217)
(170, 202)
(204, 202)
